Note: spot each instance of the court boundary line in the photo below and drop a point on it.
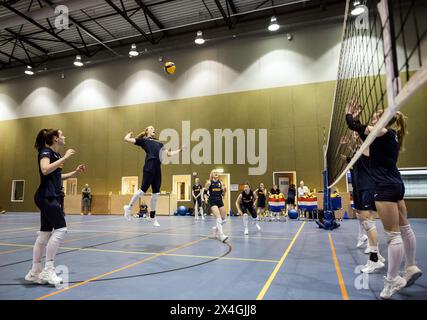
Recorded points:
(145, 253)
(341, 282)
(279, 265)
(187, 244)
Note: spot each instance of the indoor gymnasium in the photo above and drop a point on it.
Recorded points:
(213, 150)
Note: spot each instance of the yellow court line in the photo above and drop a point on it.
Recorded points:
(27, 247)
(143, 253)
(120, 269)
(279, 264)
(344, 292)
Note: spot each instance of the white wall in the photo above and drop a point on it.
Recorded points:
(237, 65)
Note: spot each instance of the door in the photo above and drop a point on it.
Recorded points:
(225, 179)
(283, 179)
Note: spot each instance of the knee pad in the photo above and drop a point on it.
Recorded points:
(393, 237)
(368, 224)
(43, 237)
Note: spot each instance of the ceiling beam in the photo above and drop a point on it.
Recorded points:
(53, 34)
(150, 14)
(133, 24)
(224, 15)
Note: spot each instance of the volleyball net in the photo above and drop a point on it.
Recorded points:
(382, 64)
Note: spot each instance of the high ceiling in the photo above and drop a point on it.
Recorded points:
(106, 28)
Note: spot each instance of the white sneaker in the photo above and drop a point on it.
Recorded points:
(128, 212)
(32, 276)
(367, 250)
(246, 231)
(361, 241)
(223, 238)
(412, 273)
(203, 217)
(196, 218)
(257, 226)
(391, 286)
(381, 258)
(372, 266)
(156, 223)
(49, 276)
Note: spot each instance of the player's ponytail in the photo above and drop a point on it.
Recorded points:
(399, 124)
(45, 137)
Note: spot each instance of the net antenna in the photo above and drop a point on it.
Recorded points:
(382, 47)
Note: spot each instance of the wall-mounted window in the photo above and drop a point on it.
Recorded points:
(415, 180)
(18, 190)
(70, 186)
(129, 185)
(182, 187)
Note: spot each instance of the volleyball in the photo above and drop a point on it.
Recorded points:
(170, 67)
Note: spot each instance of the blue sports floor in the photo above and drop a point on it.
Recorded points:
(110, 258)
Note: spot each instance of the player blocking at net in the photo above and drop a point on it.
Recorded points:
(389, 191)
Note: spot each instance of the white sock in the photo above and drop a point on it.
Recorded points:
(153, 203)
(135, 197)
(373, 249)
(409, 244)
(219, 226)
(39, 249)
(362, 231)
(196, 210)
(53, 244)
(245, 220)
(395, 253)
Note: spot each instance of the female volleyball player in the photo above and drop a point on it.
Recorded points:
(245, 203)
(389, 192)
(365, 204)
(216, 191)
(260, 199)
(197, 198)
(47, 198)
(152, 175)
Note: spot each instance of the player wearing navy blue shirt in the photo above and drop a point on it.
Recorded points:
(245, 203)
(197, 199)
(152, 174)
(389, 193)
(260, 198)
(48, 199)
(216, 191)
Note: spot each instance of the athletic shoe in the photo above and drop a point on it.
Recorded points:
(372, 266)
(361, 241)
(156, 223)
(381, 258)
(257, 226)
(367, 250)
(223, 238)
(391, 286)
(412, 273)
(128, 212)
(32, 276)
(196, 218)
(203, 217)
(246, 231)
(49, 276)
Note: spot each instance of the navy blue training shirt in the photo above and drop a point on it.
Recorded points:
(215, 190)
(51, 184)
(362, 174)
(151, 146)
(383, 155)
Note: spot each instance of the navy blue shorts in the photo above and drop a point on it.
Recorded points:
(51, 214)
(151, 176)
(217, 203)
(249, 209)
(365, 200)
(389, 192)
(198, 200)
